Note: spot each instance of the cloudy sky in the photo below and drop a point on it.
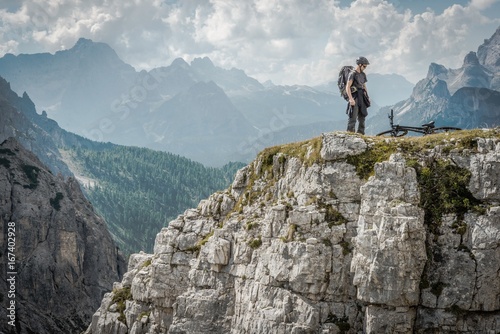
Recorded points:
(286, 41)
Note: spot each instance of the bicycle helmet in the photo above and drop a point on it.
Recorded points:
(362, 61)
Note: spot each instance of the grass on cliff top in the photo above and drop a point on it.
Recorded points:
(381, 148)
(307, 151)
(443, 185)
(465, 139)
(451, 181)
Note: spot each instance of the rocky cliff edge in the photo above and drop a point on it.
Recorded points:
(339, 234)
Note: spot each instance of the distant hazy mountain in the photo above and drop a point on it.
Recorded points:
(74, 86)
(467, 97)
(200, 123)
(197, 110)
(18, 119)
(213, 115)
(137, 190)
(232, 81)
(297, 105)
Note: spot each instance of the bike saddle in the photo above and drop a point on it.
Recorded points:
(428, 125)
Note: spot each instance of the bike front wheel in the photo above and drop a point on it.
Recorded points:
(445, 129)
(393, 133)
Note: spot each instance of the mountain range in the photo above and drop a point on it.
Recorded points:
(211, 113)
(312, 236)
(215, 115)
(136, 190)
(467, 97)
(202, 110)
(198, 110)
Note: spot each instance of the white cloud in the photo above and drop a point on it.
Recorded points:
(442, 38)
(288, 41)
(482, 4)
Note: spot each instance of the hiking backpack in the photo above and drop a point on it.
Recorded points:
(342, 81)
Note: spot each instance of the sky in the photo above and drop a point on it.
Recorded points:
(286, 41)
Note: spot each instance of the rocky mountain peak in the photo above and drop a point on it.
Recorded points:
(180, 62)
(489, 52)
(6, 93)
(471, 74)
(471, 59)
(436, 70)
(431, 88)
(465, 97)
(65, 257)
(489, 56)
(35, 132)
(478, 69)
(439, 88)
(83, 42)
(96, 50)
(203, 64)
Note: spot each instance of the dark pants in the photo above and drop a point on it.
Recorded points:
(356, 115)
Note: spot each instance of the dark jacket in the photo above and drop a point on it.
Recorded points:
(362, 101)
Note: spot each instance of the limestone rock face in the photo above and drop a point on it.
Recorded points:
(65, 258)
(390, 243)
(304, 242)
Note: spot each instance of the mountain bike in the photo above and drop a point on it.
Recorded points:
(402, 130)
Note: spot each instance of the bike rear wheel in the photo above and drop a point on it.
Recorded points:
(445, 129)
(393, 133)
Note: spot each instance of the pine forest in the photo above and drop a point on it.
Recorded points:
(138, 190)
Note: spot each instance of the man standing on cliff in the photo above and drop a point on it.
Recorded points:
(358, 96)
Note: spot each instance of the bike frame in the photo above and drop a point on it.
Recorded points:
(424, 129)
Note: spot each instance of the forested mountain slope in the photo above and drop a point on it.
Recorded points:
(138, 190)
(143, 188)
